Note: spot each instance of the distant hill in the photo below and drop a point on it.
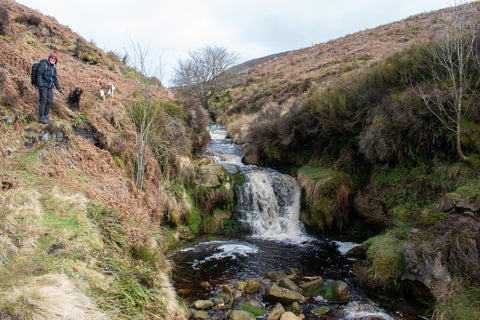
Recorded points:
(324, 61)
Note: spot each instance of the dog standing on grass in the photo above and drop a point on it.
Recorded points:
(74, 98)
(107, 90)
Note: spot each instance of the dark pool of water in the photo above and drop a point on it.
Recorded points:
(229, 261)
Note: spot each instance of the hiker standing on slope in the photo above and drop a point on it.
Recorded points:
(46, 78)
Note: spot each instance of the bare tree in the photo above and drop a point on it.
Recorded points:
(145, 113)
(452, 63)
(205, 73)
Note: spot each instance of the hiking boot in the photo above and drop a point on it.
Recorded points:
(43, 120)
(48, 119)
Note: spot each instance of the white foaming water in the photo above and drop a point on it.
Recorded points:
(344, 247)
(269, 203)
(222, 250)
(360, 311)
(218, 133)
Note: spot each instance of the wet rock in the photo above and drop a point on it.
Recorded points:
(312, 288)
(289, 316)
(358, 253)
(337, 292)
(295, 308)
(199, 315)
(203, 304)
(240, 315)
(293, 272)
(289, 284)
(251, 286)
(318, 311)
(240, 285)
(255, 307)
(283, 295)
(276, 312)
(225, 297)
(184, 291)
(276, 275)
(212, 175)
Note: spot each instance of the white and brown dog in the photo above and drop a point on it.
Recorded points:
(107, 90)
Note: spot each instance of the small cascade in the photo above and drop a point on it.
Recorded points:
(269, 203)
(222, 150)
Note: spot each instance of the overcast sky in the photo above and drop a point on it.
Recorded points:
(250, 28)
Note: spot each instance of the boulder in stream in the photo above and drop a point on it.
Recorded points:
(283, 295)
(312, 288)
(337, 292)
(240, 315)
(203, 304)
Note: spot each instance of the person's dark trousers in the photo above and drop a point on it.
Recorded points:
(46, 100)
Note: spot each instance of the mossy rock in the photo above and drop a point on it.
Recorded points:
(337, 292)
(327, 194)
(254, 307)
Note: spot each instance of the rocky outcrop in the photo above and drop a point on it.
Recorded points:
(442, 247)
(212, 175)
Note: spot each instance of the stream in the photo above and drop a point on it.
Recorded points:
(273, 239)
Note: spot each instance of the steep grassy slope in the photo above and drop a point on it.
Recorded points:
(77, 238)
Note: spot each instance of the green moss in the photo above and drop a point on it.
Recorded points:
(431, 219)
(194, 221)
(272, 152)
(323, 189)
(386, 262)
(255, 311)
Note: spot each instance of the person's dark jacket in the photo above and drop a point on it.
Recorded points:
(45, 78)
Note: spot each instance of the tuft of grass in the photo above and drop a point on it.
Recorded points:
(461, 304)
(385, 262)
(46, 297)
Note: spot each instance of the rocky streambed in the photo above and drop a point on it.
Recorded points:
(271, 280)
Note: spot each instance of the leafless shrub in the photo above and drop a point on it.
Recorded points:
(198, 116)
(31, 19)
(80, 45)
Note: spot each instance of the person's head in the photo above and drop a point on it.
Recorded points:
(53, 57)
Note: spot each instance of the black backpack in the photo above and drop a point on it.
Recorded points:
(34, 72)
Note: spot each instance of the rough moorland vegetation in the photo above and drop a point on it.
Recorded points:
(368, 133)
(90, 202)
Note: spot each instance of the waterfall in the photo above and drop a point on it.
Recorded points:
(268, 202)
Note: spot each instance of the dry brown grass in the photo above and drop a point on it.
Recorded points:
(51, 297)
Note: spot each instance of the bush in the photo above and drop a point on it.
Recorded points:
(31, 19)
(4, 20)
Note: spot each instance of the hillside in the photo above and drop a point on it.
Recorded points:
(282, 78)
(76, 232)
